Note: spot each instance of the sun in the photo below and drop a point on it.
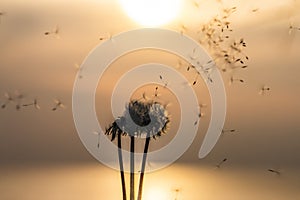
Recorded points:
(152, 13)
(155, 194)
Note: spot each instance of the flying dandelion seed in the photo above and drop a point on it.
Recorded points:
(105, 37)
(55, 32)
(79, 69)
(274, 171)
(18, 96)
(232, 80)
(221, 163)
(176, 191)
(228, 131)
(34, 104)
(264, 89)
(58, 104)
(292, 28)
(98, 141)
(165, 83)
(9, 99)
(200, 114)
(183, 29)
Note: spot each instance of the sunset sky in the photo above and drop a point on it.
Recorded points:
(41, 155)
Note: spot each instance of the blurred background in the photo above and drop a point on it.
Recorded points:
(43, 43)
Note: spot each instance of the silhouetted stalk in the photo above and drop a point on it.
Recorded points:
(140, 191)
(121, 167)
(131, 167)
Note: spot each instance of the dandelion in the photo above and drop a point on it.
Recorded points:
(140, 120)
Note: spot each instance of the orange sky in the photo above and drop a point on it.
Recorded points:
(42, 66)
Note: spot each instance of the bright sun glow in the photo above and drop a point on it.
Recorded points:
(152, 12)
(155, 194)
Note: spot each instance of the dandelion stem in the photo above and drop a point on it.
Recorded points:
(131, 167)
(121, 166)
(140, 192)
